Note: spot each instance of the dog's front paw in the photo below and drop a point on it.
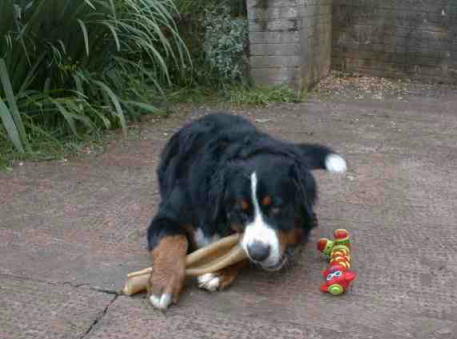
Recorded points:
(209, 281)
(161, 302)
(164, 288)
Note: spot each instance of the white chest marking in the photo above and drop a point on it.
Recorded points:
(259, 231)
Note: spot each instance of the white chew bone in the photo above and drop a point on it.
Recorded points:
(220, 254)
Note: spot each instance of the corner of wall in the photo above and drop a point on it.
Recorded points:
(289, 41)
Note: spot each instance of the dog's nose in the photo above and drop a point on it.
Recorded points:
(258, 251)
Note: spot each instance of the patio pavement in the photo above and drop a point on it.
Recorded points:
(71, 230)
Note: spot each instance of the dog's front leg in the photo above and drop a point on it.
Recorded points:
(168, 271)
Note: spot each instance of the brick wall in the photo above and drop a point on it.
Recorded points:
(290, 41)
(412, 38)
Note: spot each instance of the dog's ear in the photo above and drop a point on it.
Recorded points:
(216, 193)
(306, 190)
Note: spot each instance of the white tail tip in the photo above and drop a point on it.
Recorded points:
(335, 163)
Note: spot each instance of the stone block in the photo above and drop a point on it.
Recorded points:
(274, 25)
(273, 61)
(264, 4)
(272, 13)
(274, 37)
(275, 49)
(288, 34)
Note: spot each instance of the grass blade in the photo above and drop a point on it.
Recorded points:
(67, 116)
(116, 104)
(90, 4)
(10, 127)
(31, 74)
(8, 90)
(143, 106)
(85, 35)
(114, 34)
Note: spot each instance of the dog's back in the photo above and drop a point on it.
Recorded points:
(191, 143)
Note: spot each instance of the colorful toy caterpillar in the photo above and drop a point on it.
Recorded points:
(338, 277)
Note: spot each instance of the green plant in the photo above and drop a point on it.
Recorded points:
(224, 44)
(244, 95)
(235, 94)
(71, 66)
(215, 32)
(197, 7)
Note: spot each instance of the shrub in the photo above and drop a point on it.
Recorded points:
(215, 32)
(82, 64)
(225, 43)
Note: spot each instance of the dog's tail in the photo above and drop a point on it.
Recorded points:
(322, 157)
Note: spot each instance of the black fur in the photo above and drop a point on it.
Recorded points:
(205, 171)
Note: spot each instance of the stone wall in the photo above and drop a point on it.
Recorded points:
(400, 38)
(290, 41)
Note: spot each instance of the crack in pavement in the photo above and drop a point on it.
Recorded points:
(99, 317)
(64, 283)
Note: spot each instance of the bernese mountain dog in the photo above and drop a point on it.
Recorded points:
(219, 175)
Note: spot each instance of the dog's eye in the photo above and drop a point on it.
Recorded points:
(244, 205)
(267, 201)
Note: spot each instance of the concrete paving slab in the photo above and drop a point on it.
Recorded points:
(286, 306)
(78, 222)
(83, 222)
(35, 310)
(129, 318)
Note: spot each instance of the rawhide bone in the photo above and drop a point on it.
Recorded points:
(214, 257)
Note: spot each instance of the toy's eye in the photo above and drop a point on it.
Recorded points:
(330, 276)
(338, 274)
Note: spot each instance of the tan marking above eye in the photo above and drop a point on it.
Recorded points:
(267, 201)
(244, 205)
